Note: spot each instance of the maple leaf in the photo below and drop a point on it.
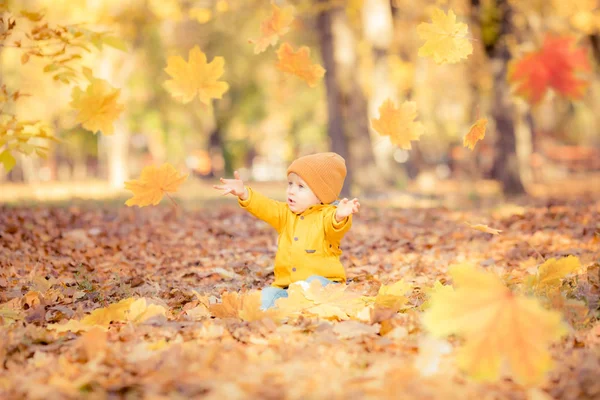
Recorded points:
(97, 106)
(271, 29)
(556, 65)
(551, 272)
(299, 64)
(484, 228)
(398, 123)
(475, 134)
(393, 296)
(250, 308)
(196, 77)
(153, 184)
(496, 324)
(329, 302)
(445, 39)
(229, 306)
(437, 287)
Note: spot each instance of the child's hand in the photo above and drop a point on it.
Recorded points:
(346, 207)
(233, 186)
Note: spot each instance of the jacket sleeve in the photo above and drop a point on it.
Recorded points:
(334, 230)
(271, 211)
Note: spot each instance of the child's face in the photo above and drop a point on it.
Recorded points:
(299, 195)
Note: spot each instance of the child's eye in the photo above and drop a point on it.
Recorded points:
(289, 183)
(300, 186)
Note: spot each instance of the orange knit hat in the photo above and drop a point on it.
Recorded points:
(324, 173)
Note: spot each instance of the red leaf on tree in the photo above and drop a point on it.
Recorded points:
(556, 65)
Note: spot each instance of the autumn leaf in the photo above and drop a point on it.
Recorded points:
(229, 306)
(97, 106)
(445, 39)
(153, 184)
(551, 272)
(398, 123)
(126, 310)
(394, 295)
(558, 65)
(196, 77)
(433, 291)
(250, 308)
(497, 326)
(328, 302)
(484, 228)
(298, 63)
(272, 28)
(475, 134)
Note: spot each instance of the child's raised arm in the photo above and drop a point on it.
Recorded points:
(234, 186)
(272, 212)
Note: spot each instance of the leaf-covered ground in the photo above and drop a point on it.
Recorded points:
(59, 264)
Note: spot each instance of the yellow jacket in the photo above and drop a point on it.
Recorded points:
(308, 243)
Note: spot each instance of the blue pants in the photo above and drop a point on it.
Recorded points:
(271, 293)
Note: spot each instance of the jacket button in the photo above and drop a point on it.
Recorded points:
(294, 269)
(329, 246)
(302, 217)
(296, 238)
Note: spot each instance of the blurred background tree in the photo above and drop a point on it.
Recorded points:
(267, 118)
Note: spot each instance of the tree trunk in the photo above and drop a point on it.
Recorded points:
(378, 31)
(505, 167)
(346, 104)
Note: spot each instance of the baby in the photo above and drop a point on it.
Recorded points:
(310, 224)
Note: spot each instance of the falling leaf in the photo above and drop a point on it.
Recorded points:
(398, 123)
(551, 272)
(558, 65)
(272, 28)
(196, 77)
(445, 40)
(200, 14)
(496, 324)
(484, 228)
(153, 184)
(475, 134)
(299, 64)
(97, 107)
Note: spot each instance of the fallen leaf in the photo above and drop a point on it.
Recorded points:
(550, 274)
(484, 228)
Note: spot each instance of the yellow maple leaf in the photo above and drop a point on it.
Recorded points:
(497, 326)
(484, 228)
(153, 184)
(445, 39)
(250, 308)
(398, 123)
(298, 63)
(196, 77)
(140, 310)
(329, 302)
(475, 134)
(97, 107)
(551, 272)
(437, 287)
(393, 296)
(272, 28)
(229, 306)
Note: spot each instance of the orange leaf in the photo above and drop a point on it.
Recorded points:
(476, 133)
(153, 184)
(556, 65)
(398, 123)
(272, 28)
(299, 64)
(484, 228)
